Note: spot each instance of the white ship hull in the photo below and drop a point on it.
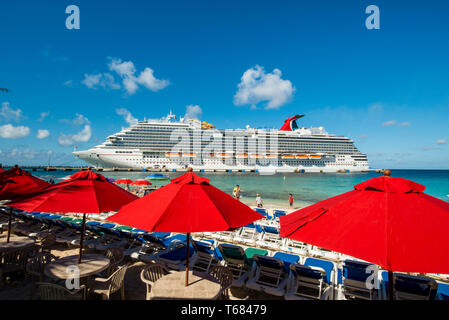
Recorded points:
(107, 158)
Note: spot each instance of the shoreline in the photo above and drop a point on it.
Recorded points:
(270, 206)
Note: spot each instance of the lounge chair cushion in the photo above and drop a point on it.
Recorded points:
(250, 252)
(325, 265)
(287, 259)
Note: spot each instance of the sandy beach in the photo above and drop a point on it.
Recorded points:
(134, 288)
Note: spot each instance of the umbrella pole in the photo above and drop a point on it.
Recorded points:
(82, 238)
(9, 225)
(187, 260)
(390, 285)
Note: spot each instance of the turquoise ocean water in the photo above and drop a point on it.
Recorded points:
(306, 188)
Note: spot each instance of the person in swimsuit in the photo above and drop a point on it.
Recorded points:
(290, 199)
(259, 201)
(236, 192)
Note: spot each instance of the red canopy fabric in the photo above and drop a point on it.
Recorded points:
(84, 192)
(123, 181)
(2, 170)
(386, 221)
(16, 183)
(187, 204)
(141, 183)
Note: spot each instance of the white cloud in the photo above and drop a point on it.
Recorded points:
(391, 123)
(68, 83)
(126, 70)
(256, 86)
(9, 114)
(42, 133)
(43, 116)
(104, 80)
(91, 80)
(123, 69)
(8, 131)
(441, 141)
(78, 120)
(82, 136)
(65, 140)
(376, 107)
(127, 116)
(193, 112)
(149, 81)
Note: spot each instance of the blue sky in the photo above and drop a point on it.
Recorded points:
(388, 89)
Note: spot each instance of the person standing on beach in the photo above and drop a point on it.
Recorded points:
(236, 192)
(259, 201)
(290, 199)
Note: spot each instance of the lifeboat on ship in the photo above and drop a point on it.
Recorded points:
(288, 156)
(189, 155)
(223, 155)
(314, 156)
(301, 156)
(172, 154)
(271, 156)
(241, 155)
(256, 156)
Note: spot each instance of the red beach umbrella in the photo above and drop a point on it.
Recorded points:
(187, 204)
(2, 170)
(85, 192)
(123, 181)
(16, 183)
(141, 183)
(386, 221)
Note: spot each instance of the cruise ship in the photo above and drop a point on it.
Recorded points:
(172, 143)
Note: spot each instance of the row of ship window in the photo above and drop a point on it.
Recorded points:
(230, 146)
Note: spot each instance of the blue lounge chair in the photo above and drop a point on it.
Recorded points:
(443, 291)
(176, 257)
(354, 278)
(207, 255)
(287, 259)
(268, 275)
(235, 259)
(407, 287)
(270, 238)
(267, 218)
(249, 234)
(294, 247)
(313, 280)
(278, 213)
(156, 243)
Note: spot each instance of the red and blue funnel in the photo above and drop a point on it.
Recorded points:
(290, 123)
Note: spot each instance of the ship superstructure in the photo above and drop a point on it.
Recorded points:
(174, 144)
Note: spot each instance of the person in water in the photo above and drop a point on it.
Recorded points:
(290, 200)
(259, 202)
(236, 192)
